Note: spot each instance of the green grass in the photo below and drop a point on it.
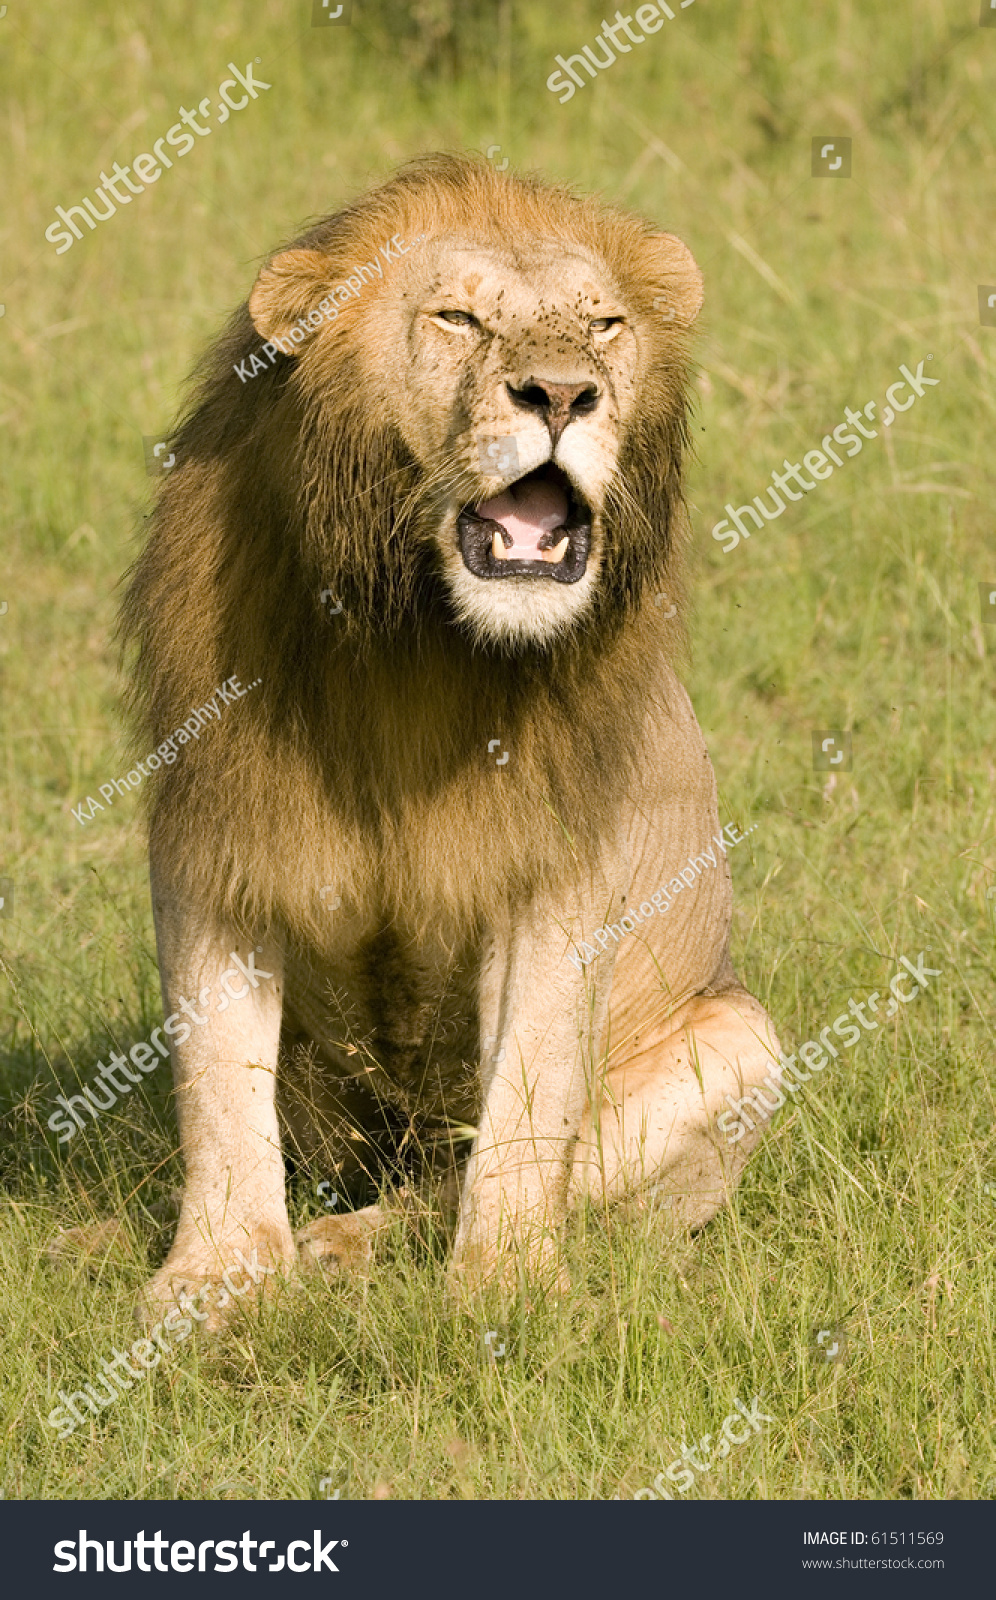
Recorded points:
(858, 608)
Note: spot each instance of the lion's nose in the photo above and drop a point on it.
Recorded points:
(559, 403)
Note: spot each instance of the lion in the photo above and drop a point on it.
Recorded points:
(431, 512)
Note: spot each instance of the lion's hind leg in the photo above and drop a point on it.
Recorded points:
(656, 1125)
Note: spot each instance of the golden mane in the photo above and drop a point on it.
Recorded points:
(361, 760)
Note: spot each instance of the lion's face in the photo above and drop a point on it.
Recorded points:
(520, 381)
(530, 375)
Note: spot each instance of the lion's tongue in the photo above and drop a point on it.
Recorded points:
(527, 512)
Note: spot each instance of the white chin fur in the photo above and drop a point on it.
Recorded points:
(514, 611)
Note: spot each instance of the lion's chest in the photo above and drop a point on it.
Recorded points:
(397, 1012)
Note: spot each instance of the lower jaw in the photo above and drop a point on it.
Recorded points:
(533, 571)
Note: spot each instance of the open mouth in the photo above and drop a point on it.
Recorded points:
(539, 527)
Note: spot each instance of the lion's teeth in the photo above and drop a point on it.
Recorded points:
(498, 546)
(558, 552)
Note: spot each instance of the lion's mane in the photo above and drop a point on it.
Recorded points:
(360, 760)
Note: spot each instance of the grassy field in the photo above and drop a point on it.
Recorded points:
(872, 1207)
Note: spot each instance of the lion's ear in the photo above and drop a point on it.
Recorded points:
(674, 267)
(288, 287)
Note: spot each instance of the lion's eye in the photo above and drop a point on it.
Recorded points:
(605, 324)
(459, 319)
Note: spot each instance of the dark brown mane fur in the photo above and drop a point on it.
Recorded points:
(361, 760)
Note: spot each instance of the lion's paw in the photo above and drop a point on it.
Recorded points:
(206, 1297)
(342, 1244)
(91, 1245)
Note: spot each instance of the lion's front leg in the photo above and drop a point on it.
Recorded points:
(223, 1005)
(542, 1021)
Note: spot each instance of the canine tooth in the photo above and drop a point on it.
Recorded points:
(498, 546)
(558, 552)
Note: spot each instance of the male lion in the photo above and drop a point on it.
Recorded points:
(447, 780)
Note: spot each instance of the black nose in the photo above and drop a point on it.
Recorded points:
(558, 403)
